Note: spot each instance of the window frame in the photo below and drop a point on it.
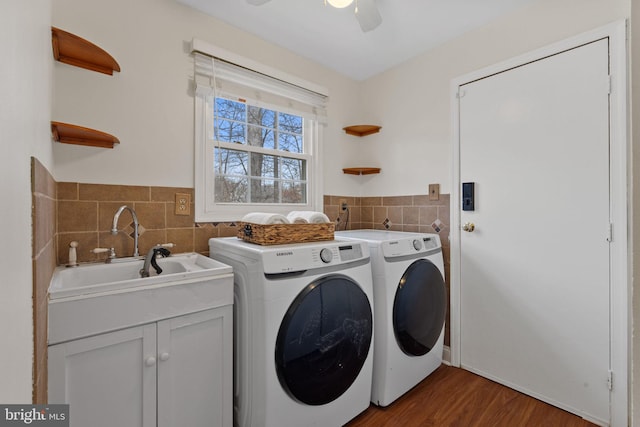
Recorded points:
(206, 209)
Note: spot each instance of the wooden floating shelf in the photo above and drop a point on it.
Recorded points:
(74, 50)
(361, 171)
(78, 135)
(362, 130)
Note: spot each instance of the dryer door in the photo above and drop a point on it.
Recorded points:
(419, 308)
(324, 340)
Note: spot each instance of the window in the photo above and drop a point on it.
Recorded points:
(260, 155)
(257, 143)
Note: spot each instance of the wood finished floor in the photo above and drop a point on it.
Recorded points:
(455, 397)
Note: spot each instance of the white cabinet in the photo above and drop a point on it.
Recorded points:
(173, 372)
(195, 369)
(104, 380)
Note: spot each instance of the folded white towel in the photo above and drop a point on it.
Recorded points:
(297, 220)
(310, 217)
(265, 218)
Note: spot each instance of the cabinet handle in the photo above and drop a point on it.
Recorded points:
(164, 356)
(150, 361)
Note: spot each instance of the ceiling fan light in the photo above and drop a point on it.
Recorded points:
(340, 3)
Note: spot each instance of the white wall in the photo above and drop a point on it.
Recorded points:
(25, 103)
(149, 105)
(413, 101)
(635, 194)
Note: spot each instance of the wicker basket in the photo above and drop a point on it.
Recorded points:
(280, 234)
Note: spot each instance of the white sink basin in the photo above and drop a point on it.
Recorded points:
(94, 298)
(125, 274)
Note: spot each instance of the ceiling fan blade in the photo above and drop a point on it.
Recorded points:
(257, 2)
(368, 15)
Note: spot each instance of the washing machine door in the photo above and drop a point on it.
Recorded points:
(324, 340)
(419, 308)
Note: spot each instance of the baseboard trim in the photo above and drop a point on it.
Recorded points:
(446, 355)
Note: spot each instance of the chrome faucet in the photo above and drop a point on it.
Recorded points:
(150, 259)
(114, 228)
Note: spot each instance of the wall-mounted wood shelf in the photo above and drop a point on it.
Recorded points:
(362, 130)
(74, 50)
(361, 171)
(78, 135)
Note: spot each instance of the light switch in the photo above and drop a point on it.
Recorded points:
(434, 191)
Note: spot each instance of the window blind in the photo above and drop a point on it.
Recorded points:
(216, 77)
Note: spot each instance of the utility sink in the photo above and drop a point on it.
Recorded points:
(95, 298)
(125, 274)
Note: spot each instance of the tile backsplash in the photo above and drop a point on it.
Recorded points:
(43, 260)
(85, 214)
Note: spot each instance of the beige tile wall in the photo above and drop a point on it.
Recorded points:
(86, 211)
(43, 193)
(85, 214)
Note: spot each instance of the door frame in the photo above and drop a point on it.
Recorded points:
(620, 266)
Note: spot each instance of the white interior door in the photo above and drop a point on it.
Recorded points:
(534, 274)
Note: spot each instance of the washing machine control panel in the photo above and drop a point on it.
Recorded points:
(300, 257)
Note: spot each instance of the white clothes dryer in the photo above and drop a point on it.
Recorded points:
(303, 323)
(410, 304)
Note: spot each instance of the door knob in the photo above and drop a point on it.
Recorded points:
(469, 227)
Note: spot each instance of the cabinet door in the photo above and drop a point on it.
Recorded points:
(195, 369)
(107, 380)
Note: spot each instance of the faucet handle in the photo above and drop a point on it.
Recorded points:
(112, 252)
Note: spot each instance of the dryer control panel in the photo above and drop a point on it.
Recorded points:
(419, 244)
(300, 257)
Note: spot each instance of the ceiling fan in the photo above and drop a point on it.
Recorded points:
(366, 11)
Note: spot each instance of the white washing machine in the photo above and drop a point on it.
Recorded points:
(410, 304)
(303, 323)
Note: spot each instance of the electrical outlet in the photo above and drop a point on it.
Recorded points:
(183, 204)
(343, 204)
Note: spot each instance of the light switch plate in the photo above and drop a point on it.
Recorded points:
(434, 191)
(183, 203)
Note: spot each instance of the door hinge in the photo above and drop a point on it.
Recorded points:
(610, 233)
(609, 84)
(610, 380)
(461, 93)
